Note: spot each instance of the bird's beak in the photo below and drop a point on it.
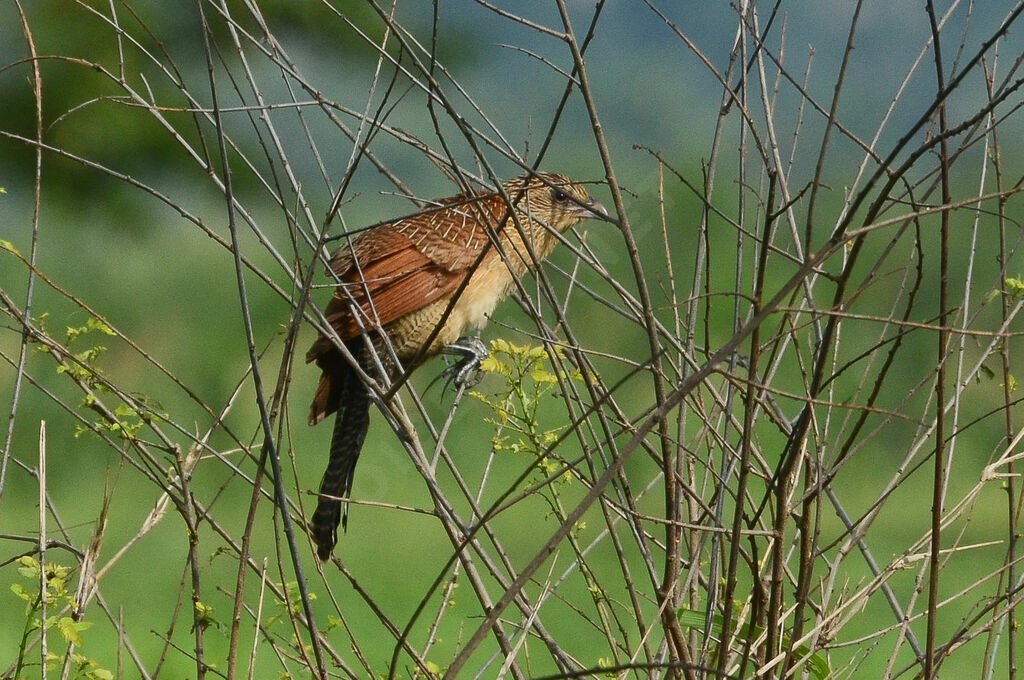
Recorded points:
(593, 209)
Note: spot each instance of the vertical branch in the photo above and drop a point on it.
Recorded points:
(669, 594)
(37, 191)
(1012, 491)
(268, 451)
(200, 620)
(729, 463)
(750, 407)
(44, 599)
(795, 448)
(931, 663)
(830, 125)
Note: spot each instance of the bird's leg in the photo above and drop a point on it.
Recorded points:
(464, 372)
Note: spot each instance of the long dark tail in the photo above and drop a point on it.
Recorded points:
(350, 426)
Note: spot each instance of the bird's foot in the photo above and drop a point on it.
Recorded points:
(465, 372)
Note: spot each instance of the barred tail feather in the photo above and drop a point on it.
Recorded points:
(350, 427)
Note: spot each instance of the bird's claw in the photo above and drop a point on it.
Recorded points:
(465, 372)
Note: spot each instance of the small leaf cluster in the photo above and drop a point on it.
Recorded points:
(124, 420)
(65, 622)
(529, 382)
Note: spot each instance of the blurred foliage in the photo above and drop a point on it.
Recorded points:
(84, 64)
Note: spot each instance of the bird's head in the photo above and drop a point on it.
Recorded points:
(553, 199)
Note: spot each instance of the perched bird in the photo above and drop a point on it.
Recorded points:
(411, 288)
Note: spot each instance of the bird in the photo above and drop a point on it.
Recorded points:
(411, 288)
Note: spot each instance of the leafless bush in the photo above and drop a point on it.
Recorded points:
(773, 431)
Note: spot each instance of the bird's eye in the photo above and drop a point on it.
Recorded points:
(559, 196)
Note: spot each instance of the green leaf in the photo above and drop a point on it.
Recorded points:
(535, 353)
(491, 365)
(29, 567)
(94, 324)
(542, 375)
(70, 629)
(22, 592)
